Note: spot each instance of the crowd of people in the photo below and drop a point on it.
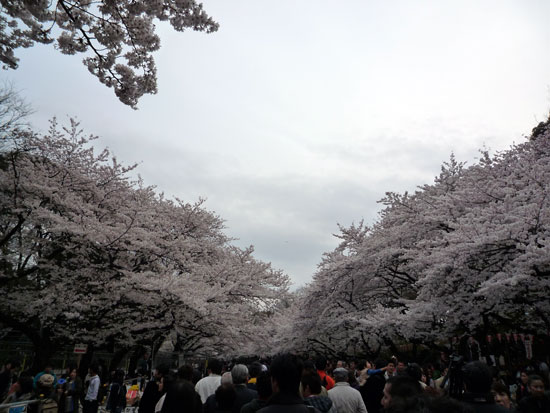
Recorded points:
(289, 384)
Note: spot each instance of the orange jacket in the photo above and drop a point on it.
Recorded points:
(325, 378)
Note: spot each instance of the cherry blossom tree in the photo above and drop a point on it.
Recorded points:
(90, 255)
(466, 254)
(116, 37)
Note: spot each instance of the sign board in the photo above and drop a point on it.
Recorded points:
(80, 348)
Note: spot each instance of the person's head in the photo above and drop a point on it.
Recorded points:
(501, 395)
(93, 369)
(413, 370)
(166, 382)
(390, 367)
(118, 376)
(341, 364)
(180, 397)
(401, 393)
(239, 373)
(535, 386)
(401, 367)
(227, 379)
(185, 372)
(73, 374)
(524, 377)
(263, 385)
(215, 366)
(309, 366)
(45, 382)
(477, 377)
(161, 370)
(340, 375)
(320, 362)
(255, 369)
(286, 372)
(311, 384)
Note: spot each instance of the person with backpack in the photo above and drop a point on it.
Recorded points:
(326, 380)
(116, 402)
(45, 393)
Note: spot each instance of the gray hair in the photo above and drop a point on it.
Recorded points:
(340, 374)
(226, 378)
(239, 374)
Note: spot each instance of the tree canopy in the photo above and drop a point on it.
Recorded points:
(89, 254)
(468, 254)
(117, 38)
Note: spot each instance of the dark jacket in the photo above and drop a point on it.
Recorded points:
(253, 406)
(151, 395)
(372, 392)
(321, 403)
(480, 404)
(287, 403)
(532, 404)
(244, 395)
(117, 398)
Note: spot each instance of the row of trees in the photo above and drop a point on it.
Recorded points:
(468, 254)
(89, 254)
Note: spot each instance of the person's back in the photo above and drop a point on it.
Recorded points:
(345, 398)
(152, 394)
(311, 391)
(263, 387)
(243, 394)
(477, 383)
(286, 371)
(372, 392)
(181, 397)
(326, 381)
(207, 386)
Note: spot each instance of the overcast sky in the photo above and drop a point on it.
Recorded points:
(298, 115)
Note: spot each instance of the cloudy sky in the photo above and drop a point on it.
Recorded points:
(298, 115)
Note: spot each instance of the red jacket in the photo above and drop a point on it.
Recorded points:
(326, 380)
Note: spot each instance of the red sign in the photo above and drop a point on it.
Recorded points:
(80, 348)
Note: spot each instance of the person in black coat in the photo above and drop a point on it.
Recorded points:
(243, 395)
(286, 372)
(538, 400)
(373, 389)
(477, 397)
(152, 394)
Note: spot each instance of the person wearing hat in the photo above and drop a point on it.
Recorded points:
(45, 390)
(345, 398)
(47, 370)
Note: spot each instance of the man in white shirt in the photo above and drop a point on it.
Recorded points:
(345, 399)
(90, 401)
(208, 385)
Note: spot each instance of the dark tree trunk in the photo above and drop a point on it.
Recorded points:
(43, 351)
(117, 358)
(85, 362)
